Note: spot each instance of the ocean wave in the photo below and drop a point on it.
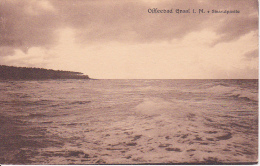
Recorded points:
(234, 92)
(245, 95)
(79, 102)
(221, 89)
(153, 106)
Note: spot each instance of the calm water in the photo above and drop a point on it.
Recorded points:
(128, 121)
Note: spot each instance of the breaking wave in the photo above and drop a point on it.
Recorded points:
(241, 94)
(153, 106)
(235, 92)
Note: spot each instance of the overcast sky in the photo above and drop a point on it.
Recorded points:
(120, 39)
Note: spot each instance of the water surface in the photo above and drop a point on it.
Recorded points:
(128, 121)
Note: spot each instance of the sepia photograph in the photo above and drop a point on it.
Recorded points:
(97, 82)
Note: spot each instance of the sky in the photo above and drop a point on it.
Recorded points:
(120, 39)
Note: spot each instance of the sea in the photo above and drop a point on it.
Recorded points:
(128, 121)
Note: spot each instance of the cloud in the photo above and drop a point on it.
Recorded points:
(247, 73)
(25, 24)
(129, 21)
(28, 26)
(33, 23)
(252, 55)
(6, 51)
(235, 28)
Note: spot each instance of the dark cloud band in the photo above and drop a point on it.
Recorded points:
(26, 23)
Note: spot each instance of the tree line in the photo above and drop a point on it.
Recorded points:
(29, 73)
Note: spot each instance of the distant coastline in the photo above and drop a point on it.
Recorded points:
(28, 73)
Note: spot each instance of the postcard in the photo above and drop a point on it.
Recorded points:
(128, 82)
